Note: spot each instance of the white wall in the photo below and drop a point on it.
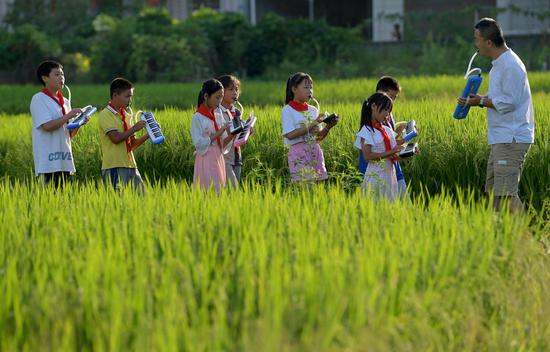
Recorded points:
(518, 24)
(382, 27)
(4, 4)
(178, 8)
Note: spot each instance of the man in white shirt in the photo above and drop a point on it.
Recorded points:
(510, 114)
(51, 140)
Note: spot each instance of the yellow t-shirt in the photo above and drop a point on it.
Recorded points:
(113, 155)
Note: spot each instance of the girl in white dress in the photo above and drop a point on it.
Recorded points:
(379, 147)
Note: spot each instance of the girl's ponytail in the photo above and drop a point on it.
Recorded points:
(382, 102)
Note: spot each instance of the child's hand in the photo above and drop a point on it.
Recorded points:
(320, 117)
(74, 112)
(314, 129)
(397, 149)
(225, 126)
(139, 125)
(400, 141)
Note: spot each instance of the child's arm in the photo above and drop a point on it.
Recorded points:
(368, 154)
(313, 127)
(228, 139)
(137, 142)
(73, 132)
(300, 131)
(220, 132)
(399, 128)
(53, 125)
(118, 137)
(324, 132)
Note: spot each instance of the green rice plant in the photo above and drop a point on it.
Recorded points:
(265, 268)
(16, 99)
(453, 152)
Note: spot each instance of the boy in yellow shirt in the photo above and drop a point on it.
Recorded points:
(117, 138)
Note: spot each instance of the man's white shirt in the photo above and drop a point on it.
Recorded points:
(513, 117)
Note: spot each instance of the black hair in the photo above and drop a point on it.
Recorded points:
(490, 30)
(229, 81)
(45, 68)
(294, 81)
(209, 87)
(119, 85)
(382, 102)
(387, 83)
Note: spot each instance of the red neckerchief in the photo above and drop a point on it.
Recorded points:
(209, 114)
(387, 142)
(122, 113)
(59, 100)
(298, 106)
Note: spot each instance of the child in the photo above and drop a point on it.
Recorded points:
(209, 135)
(117, 138)
(379, 147)
(51, 140)
(390, 86)
(302, 132)
(233, 159)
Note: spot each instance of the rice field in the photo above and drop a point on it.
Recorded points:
(275, 267)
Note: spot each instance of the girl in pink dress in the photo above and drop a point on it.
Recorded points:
(379, 147)
(209, 135)
(302, 131)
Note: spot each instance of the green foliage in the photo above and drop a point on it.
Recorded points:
(25, 48)
(309, 269)
(210, 43)
(111, 48)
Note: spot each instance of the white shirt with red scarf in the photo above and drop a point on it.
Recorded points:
(201, 130)
(292, 119)
(51, 150)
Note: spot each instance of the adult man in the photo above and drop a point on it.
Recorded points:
(510, 115)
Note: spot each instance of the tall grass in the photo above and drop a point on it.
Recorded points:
(453, 152)
(16, 99)
(265, 268)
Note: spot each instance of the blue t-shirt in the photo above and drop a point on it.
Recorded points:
(363, 163)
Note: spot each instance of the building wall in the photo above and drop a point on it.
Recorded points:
(438, 5)
(520, 24)
(4, 4)
(382, 26)
(178, 8)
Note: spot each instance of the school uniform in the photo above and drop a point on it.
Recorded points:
(306, 160)
(233, 159)
(209, 170)
(380, 178)
(118, 165)
(401, 183)
(52, 152)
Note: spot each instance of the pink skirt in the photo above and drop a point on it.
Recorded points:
(307, 162)
(210, 169)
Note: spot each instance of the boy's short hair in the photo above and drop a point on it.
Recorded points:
(387, 83)
(119, 85)
(229, 81)
(490, 30)
(45, 68)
